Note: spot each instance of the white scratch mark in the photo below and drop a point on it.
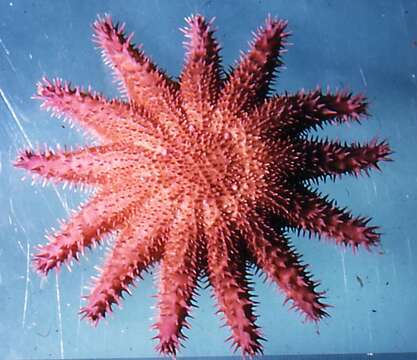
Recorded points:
(22, 130)
(410, 252)
(394, 267)
(368, 195)
(20, 246)
(63, 202)
(370, 335)
(363, 77)
(6, 50)
(375, 188)
(14, 216)
(378, 275)
(27, 252)
(25, 302)
(342, 254)
(79, 317)
(14, 116)
(4, 47)
(43, 283)
(404, 20)
(58, 301)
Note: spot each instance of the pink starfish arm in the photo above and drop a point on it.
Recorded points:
(249, 82)
(91, 166)
(228, 277)
(139, 245)
(295, 114)
(201, 76)
(180, 268)
(124, 122)
(306, 210)
(282, 265)
(143, 82)
(314, 159)
(320, 159)
(134, 253)
(108, 210)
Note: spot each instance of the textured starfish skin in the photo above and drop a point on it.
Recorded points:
(204, 176)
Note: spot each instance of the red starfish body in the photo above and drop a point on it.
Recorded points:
(204, 176)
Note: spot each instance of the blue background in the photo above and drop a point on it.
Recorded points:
(367, 46)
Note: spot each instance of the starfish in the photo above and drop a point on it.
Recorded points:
(204, 175)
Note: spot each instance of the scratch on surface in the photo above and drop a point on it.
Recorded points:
(27, 254)
(375, 189)
(64, 205)
(15, 117)
(6, 50)
(404, 20)
(63, 202)
(79, 318)
(19, 243)
(26, 137)
(363, 77)
(25, 302)
(394, 268)
(342, 254)
(410, 253)
(58, 300)
(370, 334)
(378, 275)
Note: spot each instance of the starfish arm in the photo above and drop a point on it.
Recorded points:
(88, 166)
(227, 276)
(306, 210)
(124, 122)
(139, 245)
(108, 210)
(137, 248)
(272, 253)
(250, 81)
(320, 159)
(178, 281)
(143, 82)
(201, 76)
(291, 115)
